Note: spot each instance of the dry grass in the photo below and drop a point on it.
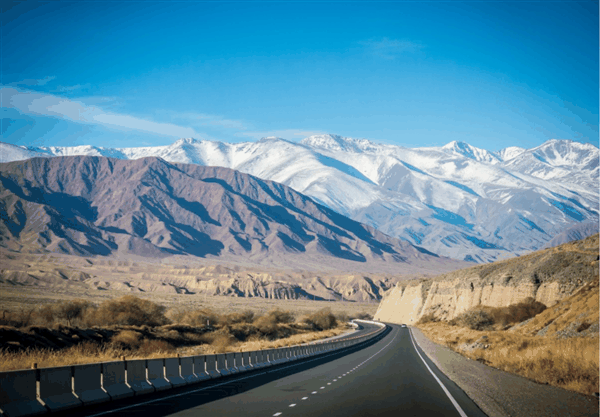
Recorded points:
(88, 352)
(548, 348)
(79, 354)
(567, 363)
(134, 327)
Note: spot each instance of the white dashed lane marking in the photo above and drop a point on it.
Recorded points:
(340, 377)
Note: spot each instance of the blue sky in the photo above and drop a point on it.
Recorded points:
(125, 74)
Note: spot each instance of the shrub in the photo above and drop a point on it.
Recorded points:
(127, 310)
(21, 318)
(154, 346)
(516, 313)
(222, 342)
(266, 324)
(203, 317)
(71, 311)
(362, 316)
(244, 317)
(321, 320)
(428, 318)
(342, 317)
(127, 339)
(475, 319)
(280, 316)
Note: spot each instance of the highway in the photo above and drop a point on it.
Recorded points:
(387, 378)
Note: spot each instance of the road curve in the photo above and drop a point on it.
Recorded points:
(387, 378)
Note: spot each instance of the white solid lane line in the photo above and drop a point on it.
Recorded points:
(460, 410)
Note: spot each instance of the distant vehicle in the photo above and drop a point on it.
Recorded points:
(404, 325)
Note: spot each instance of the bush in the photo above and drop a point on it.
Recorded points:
(127, 339)
(517, 313)
(428, 318)
(128, 310)
(71, 311)
(342, 317)
(362, 316)
(321, 320)
(475, 319)
(234, 318)
(280, 316)
(22, 318)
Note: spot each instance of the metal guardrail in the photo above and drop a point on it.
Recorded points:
(38, 391)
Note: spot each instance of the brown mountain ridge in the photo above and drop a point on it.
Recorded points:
(89, 206)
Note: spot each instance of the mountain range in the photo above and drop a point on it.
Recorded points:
(88, 205)
(456, 200)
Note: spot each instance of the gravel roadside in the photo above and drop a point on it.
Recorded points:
(500, 394)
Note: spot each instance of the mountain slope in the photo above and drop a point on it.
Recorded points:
(153, 208)
(456, 200)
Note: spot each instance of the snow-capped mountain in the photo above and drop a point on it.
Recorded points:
(456, 200)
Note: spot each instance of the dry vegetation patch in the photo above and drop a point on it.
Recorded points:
(566, 363)
(76, 331)
(557, 345)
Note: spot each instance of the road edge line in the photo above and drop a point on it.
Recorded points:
(458, 408)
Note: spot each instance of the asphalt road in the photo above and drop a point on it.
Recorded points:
(385, 378)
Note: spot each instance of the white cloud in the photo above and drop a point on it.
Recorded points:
(30, 81)
(390, 48)
(67, 88)
(33, 103)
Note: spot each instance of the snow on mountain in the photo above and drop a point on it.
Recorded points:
(471, 152)
(10, 153)
(456, 200)
(510, 152)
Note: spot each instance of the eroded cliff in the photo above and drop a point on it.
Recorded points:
(548, 276)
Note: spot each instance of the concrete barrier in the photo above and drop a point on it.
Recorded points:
(172, 372)
(282, 355)
(137, 379)
(211, 366)
(87, 384)
(239, 362)
(113, 380)
(200, 368)
(264, 358)
(222, 364)
(56, 388)
(270, 357)
(66, 387)
(18, 393)
(230, 364)
(156, 374)
(246, 365)
(187, 370)
(274, 356)
(255, 359)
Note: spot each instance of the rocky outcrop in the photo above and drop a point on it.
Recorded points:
(547, 276)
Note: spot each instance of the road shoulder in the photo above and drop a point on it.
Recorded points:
(501, 394)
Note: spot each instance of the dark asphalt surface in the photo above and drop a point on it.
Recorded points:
(386, 378)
